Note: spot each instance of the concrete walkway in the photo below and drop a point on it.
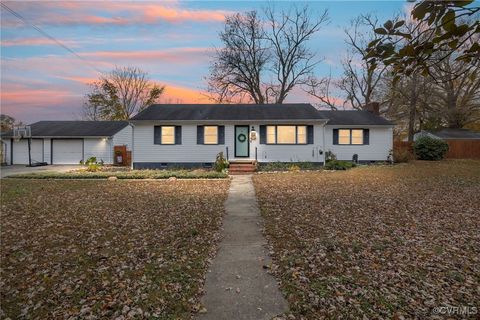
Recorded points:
(21, 168)
(237, 286)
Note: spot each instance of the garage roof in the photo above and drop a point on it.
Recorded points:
(75, 128)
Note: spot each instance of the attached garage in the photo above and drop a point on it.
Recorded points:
(67, 151)
(20, 151)
(68, 142)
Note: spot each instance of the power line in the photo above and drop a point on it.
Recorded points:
(24, 20)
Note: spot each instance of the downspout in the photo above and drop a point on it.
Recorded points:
(324, 150)
(133, 145)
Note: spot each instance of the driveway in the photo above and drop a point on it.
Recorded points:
(20, 168)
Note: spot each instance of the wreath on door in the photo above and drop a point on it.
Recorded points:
(241, 137)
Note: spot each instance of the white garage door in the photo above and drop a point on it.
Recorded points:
(67, 151)
(20, 151)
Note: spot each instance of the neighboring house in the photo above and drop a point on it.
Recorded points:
(193, 134)
(68, 142)
(449, 134)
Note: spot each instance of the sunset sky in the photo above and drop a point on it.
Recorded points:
(172, 41)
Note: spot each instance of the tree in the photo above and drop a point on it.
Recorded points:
(360, 78)
(6, 123)
(441, 30)
(120, 94)
(263, 57)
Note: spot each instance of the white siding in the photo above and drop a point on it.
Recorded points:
(47, 150)
(101, 148)
(381, 142)
(123, 137)
(189, 151)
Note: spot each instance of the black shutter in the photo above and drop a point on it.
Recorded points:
(199, 134)
(366, 136)
(178, 134)
(157, 135)
(335, 136)
(263, 134)
(221, 134)
(309, 134)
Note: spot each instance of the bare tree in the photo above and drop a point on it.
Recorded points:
(360, 77)
(120, 94)
(264, 57)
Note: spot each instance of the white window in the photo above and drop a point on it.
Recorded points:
(286, 134)
(210, 135)
(271, 136)
(344, 136)
(357, 136)
(168, 135)
(301, 134)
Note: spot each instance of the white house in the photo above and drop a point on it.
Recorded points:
(191, 135)
(68, 142)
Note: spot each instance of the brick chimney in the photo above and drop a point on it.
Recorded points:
(373, 107)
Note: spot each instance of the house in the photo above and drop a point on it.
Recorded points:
(191, 135)
(67, 142)
(449, 134)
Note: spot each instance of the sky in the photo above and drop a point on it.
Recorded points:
(171, 40)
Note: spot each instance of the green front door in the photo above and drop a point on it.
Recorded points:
(242, 144)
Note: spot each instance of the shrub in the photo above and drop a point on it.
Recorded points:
(92, 164)
(330, 156)
(339, 165)
(288, 166)
(221, 164)
(427, 148)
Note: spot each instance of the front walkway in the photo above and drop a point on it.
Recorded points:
(238, 286)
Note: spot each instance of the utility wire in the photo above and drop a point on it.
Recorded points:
(24, 20)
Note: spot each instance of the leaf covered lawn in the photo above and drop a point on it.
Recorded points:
(106, 249)
(375, 242)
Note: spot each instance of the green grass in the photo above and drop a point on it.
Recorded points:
(134, 174)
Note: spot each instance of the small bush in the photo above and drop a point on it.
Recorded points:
(339, 165)
(330, 156)
(427, 148)
(294, 167)
(221, 164)
(92, 164)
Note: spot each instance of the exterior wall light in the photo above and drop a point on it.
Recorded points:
(253, 134)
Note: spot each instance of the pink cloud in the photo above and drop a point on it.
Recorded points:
(114, 13)
(33, 42)
(175, 55)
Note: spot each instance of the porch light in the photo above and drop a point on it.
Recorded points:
(253, 134)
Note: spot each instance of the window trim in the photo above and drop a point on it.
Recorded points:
(350, 137)
(286, 125)
(204, 131)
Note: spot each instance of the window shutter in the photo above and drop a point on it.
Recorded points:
(335, 136)
(178, 134)
(366, 136)
(199, 134)
(309, 134)
(221, 134)
(157, 135)
(263, 134)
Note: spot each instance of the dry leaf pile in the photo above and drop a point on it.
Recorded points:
(101, 249)
(377, 242)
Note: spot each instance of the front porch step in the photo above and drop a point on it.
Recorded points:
(242, 167)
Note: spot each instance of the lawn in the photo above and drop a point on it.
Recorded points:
(375, 242)
(102, 249)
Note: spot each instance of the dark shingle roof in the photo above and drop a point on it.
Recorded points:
(76, 128)
(448, 133)
(353, 117)
(232, 112)
(181, 112)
